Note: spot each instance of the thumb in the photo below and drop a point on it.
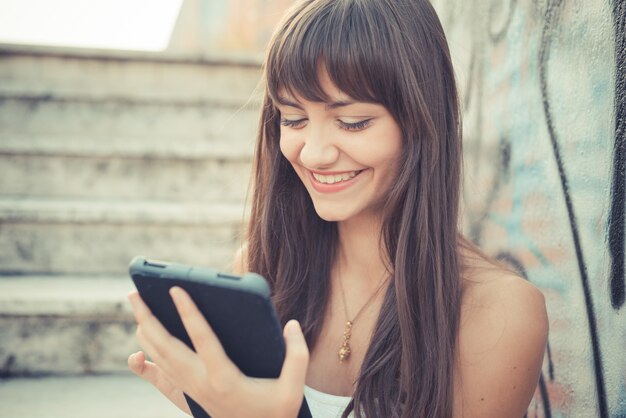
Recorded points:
(296, 362)
(137, 363)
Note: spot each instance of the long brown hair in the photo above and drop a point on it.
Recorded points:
(391, 52)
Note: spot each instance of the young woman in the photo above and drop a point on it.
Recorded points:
(355, 224)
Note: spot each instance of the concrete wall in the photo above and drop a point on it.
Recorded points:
(233, 26)
(544, 88)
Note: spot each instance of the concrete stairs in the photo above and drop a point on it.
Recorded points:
(104, 156)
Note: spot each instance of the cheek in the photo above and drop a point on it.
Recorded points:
(382, 157)
(386, 159)
(393, 152)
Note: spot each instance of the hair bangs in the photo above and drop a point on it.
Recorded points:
(339, 37)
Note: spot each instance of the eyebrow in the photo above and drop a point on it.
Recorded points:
(332, 105)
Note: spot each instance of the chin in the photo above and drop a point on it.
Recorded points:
(331, 215)
(330, 218)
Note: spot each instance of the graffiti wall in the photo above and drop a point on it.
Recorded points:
(544, 90)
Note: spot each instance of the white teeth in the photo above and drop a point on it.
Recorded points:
(335, 178)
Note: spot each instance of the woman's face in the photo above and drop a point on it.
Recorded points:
(345, 152)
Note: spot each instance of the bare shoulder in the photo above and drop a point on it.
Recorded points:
(502, 338)
(240, 261)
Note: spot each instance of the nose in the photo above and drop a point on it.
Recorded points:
(319, 151)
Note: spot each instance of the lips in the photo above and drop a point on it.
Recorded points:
(335, 181)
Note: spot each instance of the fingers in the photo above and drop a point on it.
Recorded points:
(154, 332)
(148, 323)
(293, 373)
(140, 310)
(204, 340)
(150, 332)
(173, 356)
(153, 374)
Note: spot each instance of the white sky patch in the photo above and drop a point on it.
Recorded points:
(110, 24)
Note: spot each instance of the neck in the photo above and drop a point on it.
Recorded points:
(359, 253)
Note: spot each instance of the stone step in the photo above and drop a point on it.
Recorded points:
(65, 325)
(124, 75)
(159, 147)
(124, 168)
(107, 396)
(57, 236)
(148, 122)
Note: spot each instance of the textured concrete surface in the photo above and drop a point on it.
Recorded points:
(85, 236)
(107, 155)
(228, 145)
(109, 396)
(142, 121)
(211, 180)
(226, 25)
(104, 127)
(65, 325)
(110, 75)
(65, 295)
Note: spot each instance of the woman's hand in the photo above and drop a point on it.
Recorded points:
(149, 371)
(208, 376)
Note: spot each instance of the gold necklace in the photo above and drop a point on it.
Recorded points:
(344, 351)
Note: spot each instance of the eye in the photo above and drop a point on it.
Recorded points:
(355, 126)
(291, 123)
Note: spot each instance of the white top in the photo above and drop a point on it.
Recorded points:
(324, 405)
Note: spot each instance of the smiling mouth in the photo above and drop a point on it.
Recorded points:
(335, 178)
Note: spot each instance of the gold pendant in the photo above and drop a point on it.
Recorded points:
(344, 350)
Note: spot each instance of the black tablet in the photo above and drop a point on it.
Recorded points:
(238, 308)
